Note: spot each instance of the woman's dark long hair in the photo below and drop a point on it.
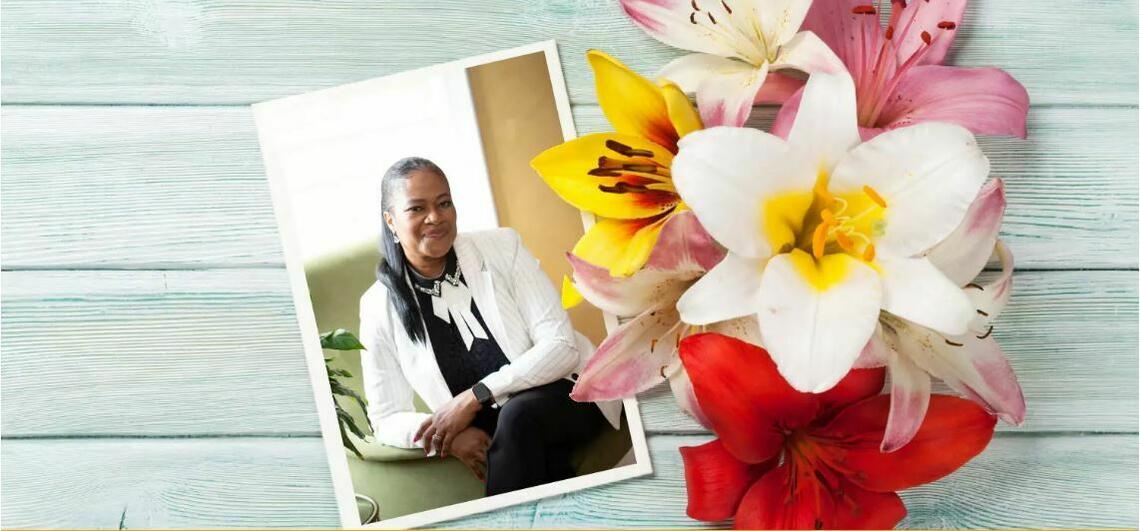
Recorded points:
(392, 270)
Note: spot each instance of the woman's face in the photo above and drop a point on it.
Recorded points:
(423, 217)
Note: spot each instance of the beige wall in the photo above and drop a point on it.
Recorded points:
(514, 105)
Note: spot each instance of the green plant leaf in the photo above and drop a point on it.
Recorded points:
(340, 339)
(348, 443)
(346, 420)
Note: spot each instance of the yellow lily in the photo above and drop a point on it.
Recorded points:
(623, 177)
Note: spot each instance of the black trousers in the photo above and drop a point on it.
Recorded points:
(533, 435)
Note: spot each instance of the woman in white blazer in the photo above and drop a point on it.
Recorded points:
(472, 325)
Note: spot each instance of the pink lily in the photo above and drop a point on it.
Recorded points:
(970, 363)
(642, 353)
(739, 45)
(898, 74)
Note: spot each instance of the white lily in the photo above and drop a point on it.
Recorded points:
(738, 44)
(824, 233)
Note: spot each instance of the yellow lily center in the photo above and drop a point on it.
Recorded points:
(816, 227)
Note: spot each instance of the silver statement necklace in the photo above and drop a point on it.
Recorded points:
(451, 302)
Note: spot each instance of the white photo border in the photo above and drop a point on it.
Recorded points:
(334, 448)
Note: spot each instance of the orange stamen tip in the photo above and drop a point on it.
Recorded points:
(947, 25)
(890, 32)
(827, 216)
(926, 37)
(878, 199)
(819, 239)
(864, 10)
(844, 241)
(868, 253)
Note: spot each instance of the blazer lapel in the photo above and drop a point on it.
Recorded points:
(481, 283)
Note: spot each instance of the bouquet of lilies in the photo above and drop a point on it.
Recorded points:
(775, 279)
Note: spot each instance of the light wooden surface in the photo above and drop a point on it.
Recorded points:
(151, 370)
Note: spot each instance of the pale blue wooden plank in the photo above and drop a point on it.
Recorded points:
(147, 187)
(157, 483)
(184, 51)
(1016, 482)
(1022, 482)
(152, 353)
(165, 353)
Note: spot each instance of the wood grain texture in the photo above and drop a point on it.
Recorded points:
(159, 187)
(131, 483)
(1057, 481)
(152, 353)
(200, 51)
(274, 482)
(208, 352)
(1058, 328)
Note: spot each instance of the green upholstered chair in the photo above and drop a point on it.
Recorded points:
(403, 481)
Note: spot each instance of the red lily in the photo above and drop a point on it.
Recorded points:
(899, 78)
(786, 459)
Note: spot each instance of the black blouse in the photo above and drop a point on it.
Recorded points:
(461, 367)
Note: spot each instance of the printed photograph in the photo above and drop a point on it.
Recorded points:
(427, 259)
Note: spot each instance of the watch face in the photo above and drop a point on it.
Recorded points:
(482, 394)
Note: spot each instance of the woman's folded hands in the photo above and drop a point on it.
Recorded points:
(439, 430)
(470, 447)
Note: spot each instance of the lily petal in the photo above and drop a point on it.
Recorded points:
(778, 88)
(917, 291)
(727, 99)
(808, 53)
(725, 88)
(729, 290)
(826, 124)
(571, 297)
(970, 364)
(855, 386)
(682, 253)
(910, 397)
(990, 300)
(925, 15)
(678, 24)
(628, 296)
(963, 254)
(723, 172)
(875, 352)
(632, 104)
(929, 174)
(953, 432)
(621, 245)
(683, 116)
(686, 398)
(780, 20)
(815, 318)
(987, 101)
(743, 406)
(571, 170)
(855, 39)
(781, 501)
(684, 246)
(716, 481)
(632, 358)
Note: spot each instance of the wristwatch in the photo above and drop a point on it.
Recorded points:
(482, 394)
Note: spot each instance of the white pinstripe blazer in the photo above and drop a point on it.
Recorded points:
(522, 312)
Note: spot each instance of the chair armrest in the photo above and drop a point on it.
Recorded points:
(375, 451)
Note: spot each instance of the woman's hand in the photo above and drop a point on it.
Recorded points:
(470, 448)
(447, 422)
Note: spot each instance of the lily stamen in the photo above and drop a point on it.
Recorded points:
(871, 193)
(869, 253)
(819, 239)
